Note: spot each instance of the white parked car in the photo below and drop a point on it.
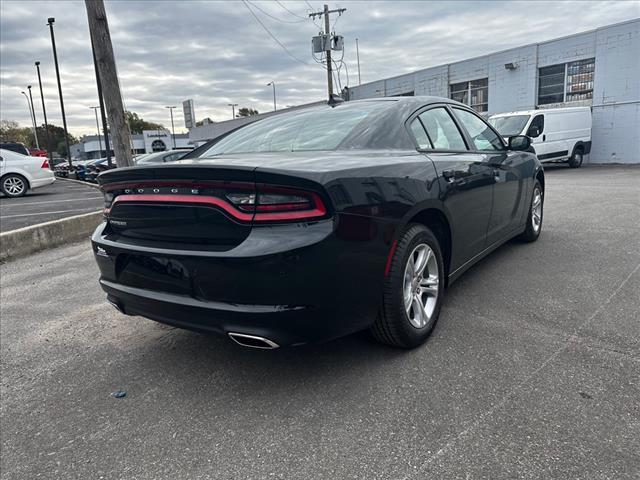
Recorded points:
(557, 134)
(20, 173)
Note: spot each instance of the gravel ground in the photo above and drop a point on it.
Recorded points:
(532, 372)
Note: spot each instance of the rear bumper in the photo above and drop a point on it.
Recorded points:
(41, 182)
(292, 284)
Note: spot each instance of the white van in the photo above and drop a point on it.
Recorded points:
(557, 134)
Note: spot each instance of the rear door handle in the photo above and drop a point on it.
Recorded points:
(544, 137)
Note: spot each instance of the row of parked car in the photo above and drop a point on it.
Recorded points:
(22, 170)
(88, 170)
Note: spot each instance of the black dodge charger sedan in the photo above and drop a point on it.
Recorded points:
(313, 224)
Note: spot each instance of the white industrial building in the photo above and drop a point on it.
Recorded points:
(92, 146)
(599, 68)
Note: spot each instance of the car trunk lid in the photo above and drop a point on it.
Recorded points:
(179, 205)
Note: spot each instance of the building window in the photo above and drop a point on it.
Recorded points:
(474, 93)
(566, 82)
(580, 80)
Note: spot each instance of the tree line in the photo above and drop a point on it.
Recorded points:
(11, 131)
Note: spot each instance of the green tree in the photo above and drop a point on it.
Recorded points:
(138, 124)
(56, 137)
(11, 131)
(246, 112)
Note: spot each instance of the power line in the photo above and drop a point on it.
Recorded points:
(313, 19)
(292, 13)
(244, 2)
(327, 39)
(273, 16)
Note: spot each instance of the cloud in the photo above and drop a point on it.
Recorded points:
(217, 52)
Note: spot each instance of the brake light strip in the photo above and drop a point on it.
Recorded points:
(319, 211)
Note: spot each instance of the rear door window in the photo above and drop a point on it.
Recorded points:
(420, 135)
(442, 130)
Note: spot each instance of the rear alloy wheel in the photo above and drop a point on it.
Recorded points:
(576, 159)
(14, 185)
(534, 219)
(420, 290)
(413, 290)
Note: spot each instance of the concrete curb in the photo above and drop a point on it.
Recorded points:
(88, 184)
(24, 241)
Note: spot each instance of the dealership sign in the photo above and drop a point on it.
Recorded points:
(156, 140)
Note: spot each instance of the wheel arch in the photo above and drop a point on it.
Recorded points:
(540, 177)
(583, 146)
(437, 221)
(18, 173)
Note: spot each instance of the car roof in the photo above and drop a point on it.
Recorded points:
(540, 110)
(164, 152)
(386, 131)
(417, 100)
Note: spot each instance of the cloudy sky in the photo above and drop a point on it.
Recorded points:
(216, 52)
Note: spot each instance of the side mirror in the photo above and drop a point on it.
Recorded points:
(534, 131)
(519, 143)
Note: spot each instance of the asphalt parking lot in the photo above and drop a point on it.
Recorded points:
(533, 371)
(58, 200)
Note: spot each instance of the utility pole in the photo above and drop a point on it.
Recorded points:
(95, 110)
(273, 84)
(33, 125)
(327, 33)
(101, 38)
(50, 21)
(103, 112)
(233, 109)
(46, 125)
(358, 57)
(35, 122)
(173, 130)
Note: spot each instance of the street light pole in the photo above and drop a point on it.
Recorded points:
(233, 109)
(173, 131)
(44, 112)
(33, 125)
(50, 22)
(273, 84)
(33, 113)
(95, 110)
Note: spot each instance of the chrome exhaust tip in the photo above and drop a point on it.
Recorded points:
(253, 341)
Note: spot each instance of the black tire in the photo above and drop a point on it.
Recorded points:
(531, 233)
(393, 325)
(576, 159)
(14, 185)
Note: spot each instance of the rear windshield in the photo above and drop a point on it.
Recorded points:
(318, 129)
(509, 126)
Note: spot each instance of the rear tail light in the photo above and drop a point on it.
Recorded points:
(244, 202)
(45, 164)
(279, 204)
